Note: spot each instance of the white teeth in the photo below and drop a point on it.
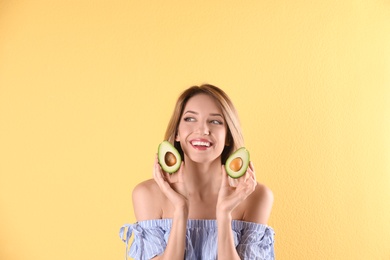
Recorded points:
(199, 143)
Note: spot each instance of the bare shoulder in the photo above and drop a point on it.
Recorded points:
(146, 200)
(259, 205)
(145, 187)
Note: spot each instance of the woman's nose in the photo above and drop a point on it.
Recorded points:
(204, 129)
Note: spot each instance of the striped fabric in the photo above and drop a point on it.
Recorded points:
(252, 240)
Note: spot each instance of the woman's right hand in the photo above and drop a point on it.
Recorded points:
(173, 186)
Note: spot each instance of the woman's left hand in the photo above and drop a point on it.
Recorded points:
(230, 197)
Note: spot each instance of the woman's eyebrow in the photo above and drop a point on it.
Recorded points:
(196, 113)
(192, 112)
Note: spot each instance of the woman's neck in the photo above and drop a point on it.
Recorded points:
(202, 178)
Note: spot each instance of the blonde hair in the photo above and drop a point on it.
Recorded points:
(234, 139)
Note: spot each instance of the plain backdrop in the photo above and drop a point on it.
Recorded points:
(87, 89)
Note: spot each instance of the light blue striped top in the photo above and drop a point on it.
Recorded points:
(252, 240)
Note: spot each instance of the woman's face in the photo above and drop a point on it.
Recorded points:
(202, 129)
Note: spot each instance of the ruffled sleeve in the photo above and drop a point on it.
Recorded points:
(149, 239)
(256, 241)
(252, 240)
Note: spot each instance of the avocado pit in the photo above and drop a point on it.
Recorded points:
(236, 164)
(170, 159)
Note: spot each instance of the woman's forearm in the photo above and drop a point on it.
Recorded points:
(226, 247)
(177, 238)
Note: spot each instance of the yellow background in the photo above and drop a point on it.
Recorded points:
(87, 88)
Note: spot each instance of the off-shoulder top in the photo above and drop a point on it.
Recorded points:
(252, 240)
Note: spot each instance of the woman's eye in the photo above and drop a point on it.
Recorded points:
(216, 122)
(189, 119)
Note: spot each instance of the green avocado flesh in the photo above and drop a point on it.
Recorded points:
(168, 157)
(237, 163)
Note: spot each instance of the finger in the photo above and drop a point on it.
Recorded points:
(243, 178)
(249, 174)
(251, 166)
(252, 172)
(162, 179)
(158, 173)
(155, 167)
(248, 184)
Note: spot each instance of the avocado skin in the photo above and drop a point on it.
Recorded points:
(164, 148)
(243, 153)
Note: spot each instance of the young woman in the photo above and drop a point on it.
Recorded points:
(199, 212)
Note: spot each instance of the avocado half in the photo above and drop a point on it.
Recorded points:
(168, 157)
(237, 163)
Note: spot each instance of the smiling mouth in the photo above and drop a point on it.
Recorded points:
(201, 144)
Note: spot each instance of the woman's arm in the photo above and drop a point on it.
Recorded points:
(226, 247)
(257, 200)
(177, 238)
(177, 195)
(146, 206)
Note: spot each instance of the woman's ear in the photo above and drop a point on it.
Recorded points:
(177, 137)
